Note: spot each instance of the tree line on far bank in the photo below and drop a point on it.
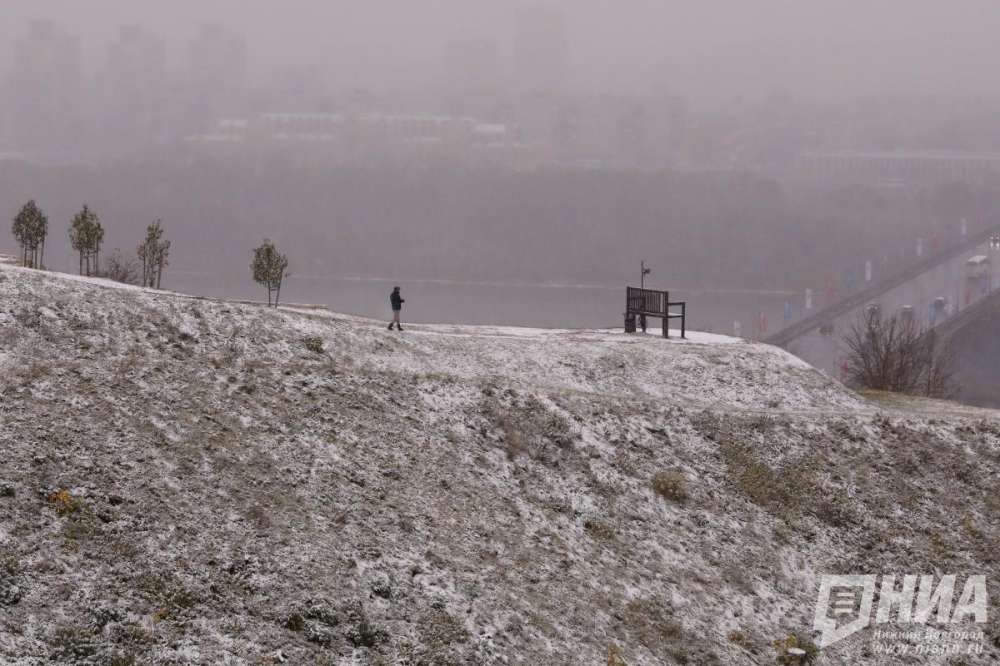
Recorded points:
(31, 228)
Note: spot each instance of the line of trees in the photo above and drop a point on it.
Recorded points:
(31, 227)
(86, 235)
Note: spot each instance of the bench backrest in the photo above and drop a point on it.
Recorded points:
(647, 301)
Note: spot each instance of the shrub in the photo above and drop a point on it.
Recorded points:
(126, 659)
(599, 529)
(651, 623)
(64, 503)
(72, 644)
(365, 634)
(33, 372)
(120, 268)
(785, 490)
(315, 345)
(131, 633)
(797, 642)
(295, 622)
(671, 485)
(439, 631)
(527, 426)
(742, 639)
(895, 354)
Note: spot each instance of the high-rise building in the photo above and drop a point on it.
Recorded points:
(133, 105)
(472, 66)
(45, 90)
(541, 49)
(217, 75)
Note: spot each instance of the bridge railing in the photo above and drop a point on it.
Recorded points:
(857, 299)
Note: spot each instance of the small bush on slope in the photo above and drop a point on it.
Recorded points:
(671, 485)
(63, 502)
(526, 425)
(313, 344)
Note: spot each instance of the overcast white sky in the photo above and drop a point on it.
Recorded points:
(699, 48)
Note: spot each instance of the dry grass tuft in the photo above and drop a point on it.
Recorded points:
(671, 485)
(314, 345)
(64, 503)
(527, 426)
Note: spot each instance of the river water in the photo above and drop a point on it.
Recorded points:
(512, 304)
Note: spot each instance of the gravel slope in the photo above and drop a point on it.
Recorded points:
(189, 481)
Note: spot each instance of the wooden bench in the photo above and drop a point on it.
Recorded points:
(644, 303)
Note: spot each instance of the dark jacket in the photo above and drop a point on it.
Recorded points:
(396, 300)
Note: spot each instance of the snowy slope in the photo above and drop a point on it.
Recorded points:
(186, 480)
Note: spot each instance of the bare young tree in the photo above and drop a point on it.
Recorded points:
(269, 268)
(895, 354)
(153, 253)
(86, 235)
(30, 229)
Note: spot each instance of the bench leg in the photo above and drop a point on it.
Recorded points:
(666, 327)
(642, 322)
(684, 319)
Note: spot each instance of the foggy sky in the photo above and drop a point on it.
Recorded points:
(702, 49)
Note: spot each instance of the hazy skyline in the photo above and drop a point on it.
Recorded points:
(712, 50)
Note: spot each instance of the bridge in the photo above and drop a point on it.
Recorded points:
(942, 292)
(901, 166)
(975, 340)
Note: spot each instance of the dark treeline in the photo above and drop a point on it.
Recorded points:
(699, 229)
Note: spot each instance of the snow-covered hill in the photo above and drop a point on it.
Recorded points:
(190, 481)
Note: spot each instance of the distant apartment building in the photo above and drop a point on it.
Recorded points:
(541, 49)
(217, 74)
(45, 89)
(343, 138)
(133, 105)
(472, 67)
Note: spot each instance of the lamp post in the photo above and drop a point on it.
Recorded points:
(994, 246)
(643, 272)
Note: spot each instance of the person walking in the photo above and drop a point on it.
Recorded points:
(396, 301)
